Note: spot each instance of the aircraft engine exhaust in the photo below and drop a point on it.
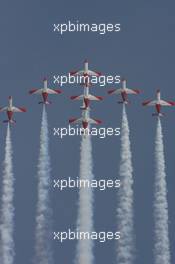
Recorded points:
(160, 206)
(7, 206)
(125, 216)
(43, 234)
(84, 250)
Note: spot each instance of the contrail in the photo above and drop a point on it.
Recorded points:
(84, 253)
(7, 207)
(162, 244)
(43, 245)
(125, 215)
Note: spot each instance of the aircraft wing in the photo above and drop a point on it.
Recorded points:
(18, 109)
(77, 73)
(36, 91)
(82, 73)
(167, 103)
(75, 120)
(115, 91)
(90, 97)
(93, 73)
(161, 102)
(77, 97)
(131, 91)
(3, 109)
(150, 103)
(94, 121)
(94, 98)
(52, 91)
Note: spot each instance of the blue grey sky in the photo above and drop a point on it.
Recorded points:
(143, 52)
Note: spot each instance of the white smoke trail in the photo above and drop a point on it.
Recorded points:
(7, 207)
(43, 250)
(84, 254)
(125, 215)
(162, 244)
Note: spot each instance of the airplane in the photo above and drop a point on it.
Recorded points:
(158, 103)
(45, 92)
(124, 91)
(10, 109)
(86, 97)
(85, 120)
(85, 72)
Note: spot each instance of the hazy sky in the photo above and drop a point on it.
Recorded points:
(143, 52)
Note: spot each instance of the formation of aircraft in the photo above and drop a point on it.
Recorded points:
(86, 97)
(158, 103)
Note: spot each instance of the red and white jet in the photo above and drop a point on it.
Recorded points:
(124, 91)
(158, 103)
(86, 72)
(86, 97)
(10, 109)
(85, 120)
(45, 92)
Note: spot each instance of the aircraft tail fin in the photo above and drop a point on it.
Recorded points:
(12, 121)
(158, 114)
(46, 103)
